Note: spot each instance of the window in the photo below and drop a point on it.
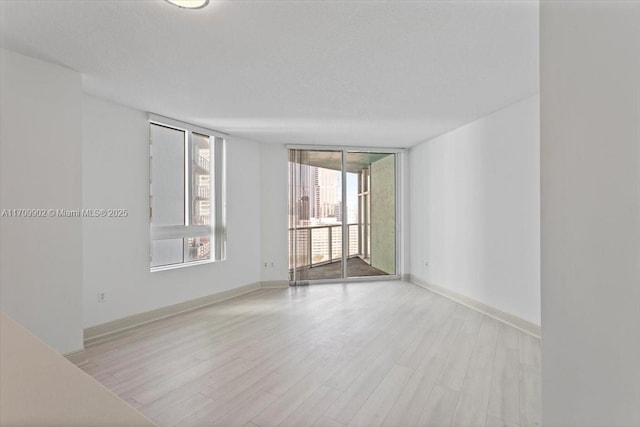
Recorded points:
(187, 211)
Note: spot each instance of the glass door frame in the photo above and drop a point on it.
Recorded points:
(398, 153)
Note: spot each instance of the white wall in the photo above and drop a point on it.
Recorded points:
(274, 214)
(475, 210)
(116, 251)
(590, 170)
(41, 258)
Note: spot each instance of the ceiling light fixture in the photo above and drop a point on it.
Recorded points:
(189, 4)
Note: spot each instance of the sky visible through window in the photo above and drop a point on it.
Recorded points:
(352, 191)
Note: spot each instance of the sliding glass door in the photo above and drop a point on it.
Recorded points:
(315, 215)
(342, 215)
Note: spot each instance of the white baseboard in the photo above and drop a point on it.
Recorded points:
(105, 331)
(509, 319)
(270, 284)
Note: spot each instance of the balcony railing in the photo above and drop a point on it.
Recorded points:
(320, 244)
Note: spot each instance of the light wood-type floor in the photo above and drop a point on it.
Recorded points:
(361, 354)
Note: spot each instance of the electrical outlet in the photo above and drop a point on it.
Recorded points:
(426, 263)
(101, 296)
(265, 264)
(272, 264)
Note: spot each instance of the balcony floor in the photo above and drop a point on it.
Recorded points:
(356, 267)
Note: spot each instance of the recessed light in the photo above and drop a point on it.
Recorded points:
(189, 4)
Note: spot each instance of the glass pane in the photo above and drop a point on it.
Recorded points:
(167, 176)
(320, 245)
(371, 207)
(336, 242)
(315, 212)
(198, 248)
(200, 180)
(353, 239)
(302, 259)
(167, 252)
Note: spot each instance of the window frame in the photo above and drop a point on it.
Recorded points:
(217, 230)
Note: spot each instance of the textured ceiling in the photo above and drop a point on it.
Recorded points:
(380, 73)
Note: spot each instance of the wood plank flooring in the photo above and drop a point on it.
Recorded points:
(360, 354)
